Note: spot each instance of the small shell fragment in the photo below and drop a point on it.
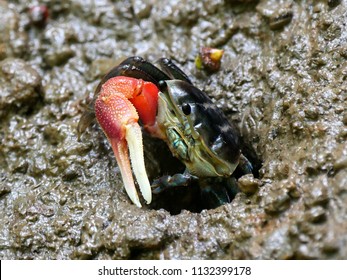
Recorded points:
(209, 59)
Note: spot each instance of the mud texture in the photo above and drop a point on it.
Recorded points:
(282, 81)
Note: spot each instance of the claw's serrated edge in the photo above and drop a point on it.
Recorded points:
(120, 150)
(134, 140)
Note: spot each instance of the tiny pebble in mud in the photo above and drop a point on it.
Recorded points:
(248, 184)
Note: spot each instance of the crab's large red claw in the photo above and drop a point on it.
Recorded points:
(119, 120)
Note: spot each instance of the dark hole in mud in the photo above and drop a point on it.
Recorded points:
(250, 154)
(160, 162)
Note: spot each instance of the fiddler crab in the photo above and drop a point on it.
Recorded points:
(170, 108)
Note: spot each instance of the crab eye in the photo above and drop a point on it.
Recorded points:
(186, 109)
(162, 85)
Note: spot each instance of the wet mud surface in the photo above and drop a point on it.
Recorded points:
(282, 81)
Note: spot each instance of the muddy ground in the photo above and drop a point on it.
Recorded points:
(282, 82)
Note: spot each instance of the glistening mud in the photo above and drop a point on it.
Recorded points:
(282, 81)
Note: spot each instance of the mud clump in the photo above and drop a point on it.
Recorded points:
(20, 86)
(282, 80)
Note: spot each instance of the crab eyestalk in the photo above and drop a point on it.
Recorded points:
(122, 100)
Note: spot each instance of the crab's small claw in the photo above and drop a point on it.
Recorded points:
(118, 118)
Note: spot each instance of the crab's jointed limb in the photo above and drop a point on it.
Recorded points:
(121, 102)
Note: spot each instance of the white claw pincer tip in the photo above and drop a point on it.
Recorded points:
(134, 140)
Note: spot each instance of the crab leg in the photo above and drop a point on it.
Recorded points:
(120, 103)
